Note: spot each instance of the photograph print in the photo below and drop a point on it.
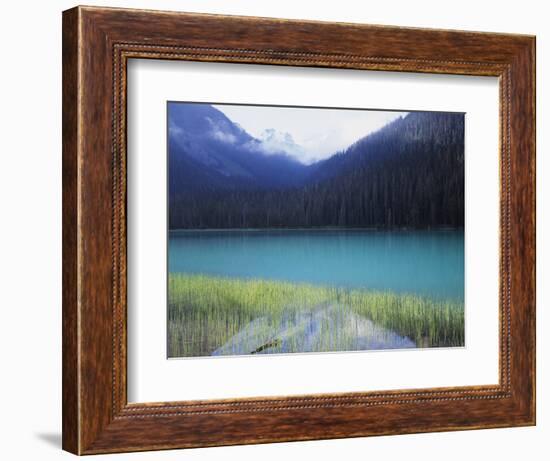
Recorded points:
(313, 230)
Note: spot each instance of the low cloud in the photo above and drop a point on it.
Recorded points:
(174, 130)
(223, 137)
(219, 131)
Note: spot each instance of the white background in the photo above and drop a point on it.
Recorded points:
(153, 378)
(30, 244)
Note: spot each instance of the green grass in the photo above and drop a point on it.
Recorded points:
(205, 312)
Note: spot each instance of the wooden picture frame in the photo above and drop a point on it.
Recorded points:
(97, 44)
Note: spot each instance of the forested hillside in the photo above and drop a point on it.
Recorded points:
(408, 174)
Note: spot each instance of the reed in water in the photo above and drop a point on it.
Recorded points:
(206, 312)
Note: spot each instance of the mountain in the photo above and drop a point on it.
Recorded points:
(273, 141)
(207, 152)
(410, 173)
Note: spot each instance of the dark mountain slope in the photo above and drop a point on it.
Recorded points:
(408, 174)
(207, 152)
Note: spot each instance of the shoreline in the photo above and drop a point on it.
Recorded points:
(320, 229)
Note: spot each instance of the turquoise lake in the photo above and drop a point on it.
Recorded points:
(428, 263)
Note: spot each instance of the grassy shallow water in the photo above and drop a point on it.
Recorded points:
(215, 315)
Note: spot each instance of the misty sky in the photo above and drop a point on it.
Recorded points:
(315, 134)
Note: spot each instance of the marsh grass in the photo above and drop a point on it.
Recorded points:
(205, 312)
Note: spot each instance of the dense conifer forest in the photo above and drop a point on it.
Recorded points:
(408, 174)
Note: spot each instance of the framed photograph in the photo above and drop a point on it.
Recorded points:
(282, 230)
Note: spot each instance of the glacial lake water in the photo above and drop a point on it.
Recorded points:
(428, 263)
